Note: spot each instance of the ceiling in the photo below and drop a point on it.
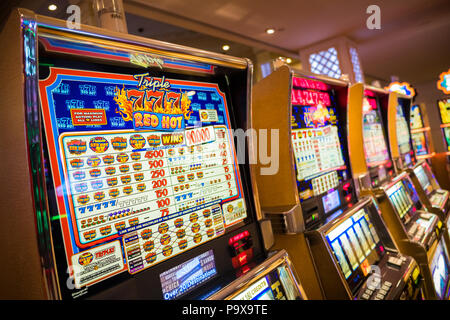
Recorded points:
(412, 44)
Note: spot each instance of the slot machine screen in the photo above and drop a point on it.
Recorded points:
(444, 110)
(375, 146)
(416, 121)
(276, 285)
(400, 199)
(356, 246)
(317, 141)
(188, 275)
(403, 136)
(440, 271)
(331, 201)
(447, 137)
(423, 179)
(143, 166)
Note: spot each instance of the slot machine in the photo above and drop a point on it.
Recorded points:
(376, 148)
(123, 174)
(415, 231)
(301, 200)
(441, 161)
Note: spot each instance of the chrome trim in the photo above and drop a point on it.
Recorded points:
(35, 155)
(239, 285)
(52, 25)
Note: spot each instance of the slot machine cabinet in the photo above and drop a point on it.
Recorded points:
(441, 161)
(435, 199)
(400, 140)
(274, 279)
(357, 259)
(416, 232)
(121, 166)
(376, 153)
(313, 182)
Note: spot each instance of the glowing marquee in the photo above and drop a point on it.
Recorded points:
(403, 88)
(444, 82)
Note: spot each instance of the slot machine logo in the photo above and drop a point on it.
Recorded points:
(89, 235)
(112, 182)
(110, 170)
(128, 190)
(163, 228)
(94, 173)
(135, 156)
(172, 139)
(93, 161)
(124, 168)
(139, 176)
(97, 184)
(146, 234)
(85, 258)
(99, 196)
(125, 179)
(165, 239)
(206, 213)
(137, 166)
(167, 251)
(178, 222)
(80, 187)
(180, 179)
(119, 143)
(149, 246)
(152, 105)
(119, 225)
(137, 141)
(197, 237)
(208, 223)
(83, 199)
(133, 222)
(154, 140)
(98, 144)
(77, 147)
(200, 174)
(150, 258)
(316, 116)
(210, 233)
(190, 176)
(79, 175)
(108, 159)
(182, 244)
(141, 187)
(76, 163)
(170, 152)
(195, 228)
(181, 233)
(113, 193)
(122, 157)
(105, 230)
(193, 217)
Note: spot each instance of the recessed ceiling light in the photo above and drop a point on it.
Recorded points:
(52, 7)
(225, 47)
(270, 31)
(288, 60)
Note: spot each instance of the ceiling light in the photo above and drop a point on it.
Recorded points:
(270, 31)
(288, 60)
(52, 7)
(225, 47)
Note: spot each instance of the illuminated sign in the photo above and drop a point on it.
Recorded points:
(309, 84)
(307, 97)
(444, 82)
(188, 275)
(404, 88)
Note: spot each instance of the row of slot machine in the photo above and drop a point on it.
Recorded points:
(132, 173)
